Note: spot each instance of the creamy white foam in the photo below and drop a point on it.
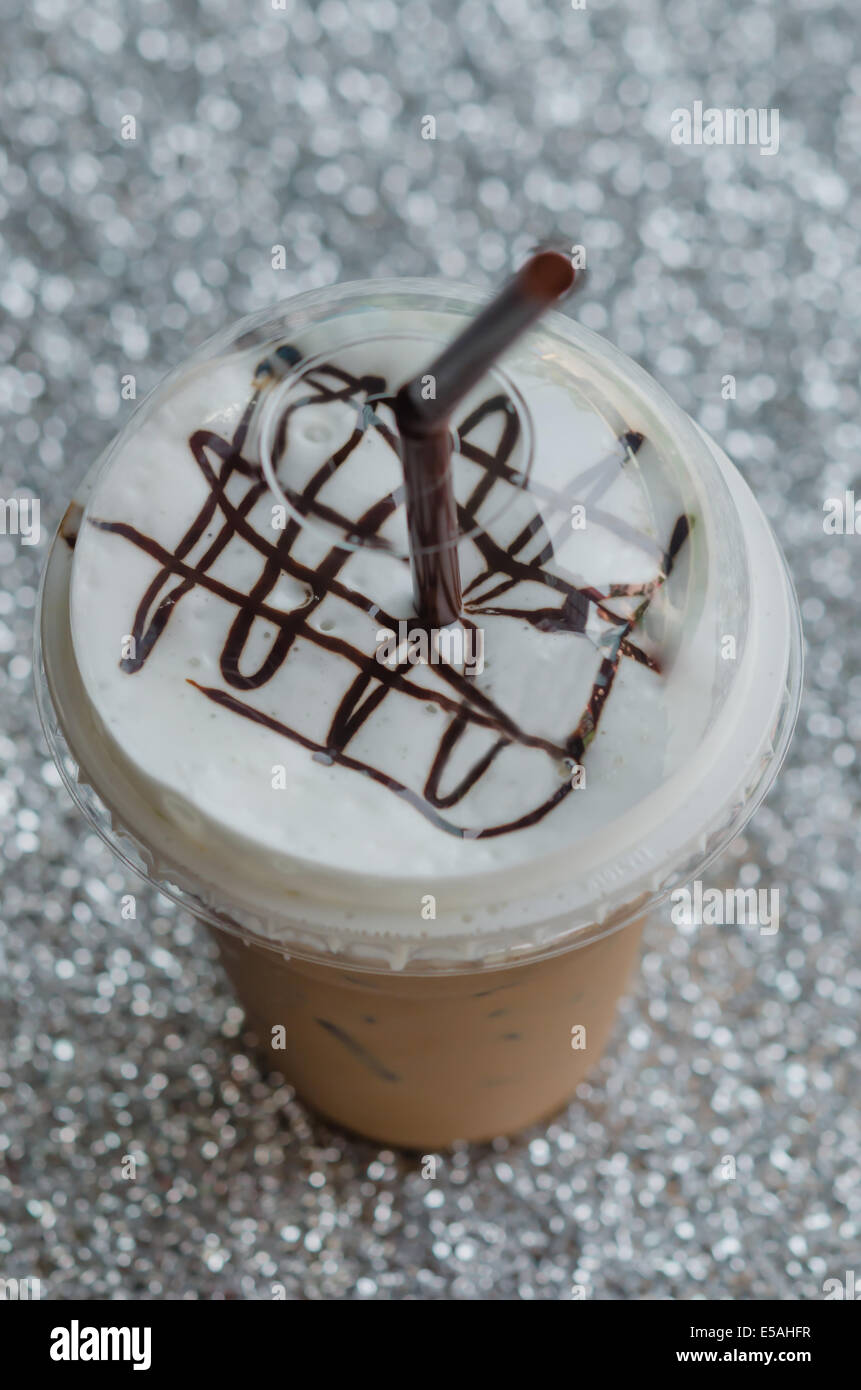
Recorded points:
(202, 758)
(332, 860)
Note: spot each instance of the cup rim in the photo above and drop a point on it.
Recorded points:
(616, 912)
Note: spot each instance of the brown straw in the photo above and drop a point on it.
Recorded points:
(423, 426)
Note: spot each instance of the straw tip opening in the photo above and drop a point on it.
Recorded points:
(548, 275)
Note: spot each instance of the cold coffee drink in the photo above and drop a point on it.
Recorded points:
(425, 855)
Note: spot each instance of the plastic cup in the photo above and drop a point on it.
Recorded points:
(419, 1035)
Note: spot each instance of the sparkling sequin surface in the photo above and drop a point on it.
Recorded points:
(154, 156)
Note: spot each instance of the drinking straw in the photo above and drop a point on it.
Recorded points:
(423, 409)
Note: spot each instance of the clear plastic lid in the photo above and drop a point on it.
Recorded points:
(233, 655)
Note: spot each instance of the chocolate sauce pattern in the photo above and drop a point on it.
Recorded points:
(465, 704)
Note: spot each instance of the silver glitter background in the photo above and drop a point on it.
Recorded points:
(302, 127)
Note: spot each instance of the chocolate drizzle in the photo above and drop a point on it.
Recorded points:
(464, 704)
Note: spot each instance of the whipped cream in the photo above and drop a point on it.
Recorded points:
(214, 665)
(230, 652)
